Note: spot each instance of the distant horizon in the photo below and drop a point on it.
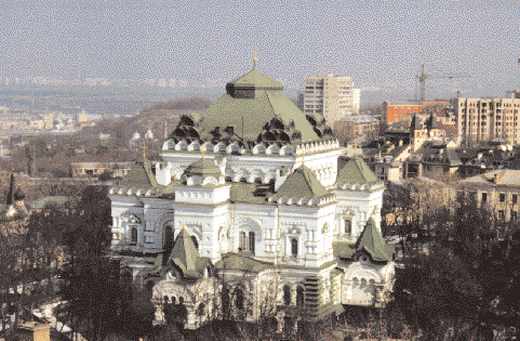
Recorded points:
(380, 44)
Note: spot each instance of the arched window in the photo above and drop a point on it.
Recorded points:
(294, 247)
(174, 300)
(300, 296)
(133, 235)
(286, 295)
(201, 309)
(181, 300)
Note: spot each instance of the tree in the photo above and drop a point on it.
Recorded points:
(456, 268)
(91, 281)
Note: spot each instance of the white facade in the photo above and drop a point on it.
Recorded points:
(270, 218)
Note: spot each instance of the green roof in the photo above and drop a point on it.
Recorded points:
(372, 242)
(248, 116)
(235, 261)
(186, 256)
(258, 80)
(140, 176)
(203, 167)
(302, 183)
(343, 249)
(356, 171)
(248, 193)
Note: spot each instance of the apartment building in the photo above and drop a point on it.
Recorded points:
(497, 190)
(487, 119)
(357, 129)
(330, 96)
(356, 100)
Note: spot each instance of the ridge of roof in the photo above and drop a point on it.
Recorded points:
(301, 183)
(371, 241)
(356, 171)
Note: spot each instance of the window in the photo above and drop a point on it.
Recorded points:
(484, 198)
(242, 242)
(133, 235)
(300, 296)
(286, 295)
(501, 215)
(247, 242)
(168, 240)
(252, 242)
(239, 299)
(294, 247)
(514, 215)
(502, 197)
(515, 199)
(348, 226)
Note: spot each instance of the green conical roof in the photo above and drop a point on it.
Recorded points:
(302, 183)
(372, 242)
(356, 171)
(258, 80)
(186, 256)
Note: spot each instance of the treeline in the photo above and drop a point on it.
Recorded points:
(458, 277)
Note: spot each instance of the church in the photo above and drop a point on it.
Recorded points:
(251, 211)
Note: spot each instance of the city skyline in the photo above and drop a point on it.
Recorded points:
(380, 44)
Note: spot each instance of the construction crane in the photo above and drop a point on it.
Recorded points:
(423, 76)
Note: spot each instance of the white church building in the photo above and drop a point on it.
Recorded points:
(252, 211)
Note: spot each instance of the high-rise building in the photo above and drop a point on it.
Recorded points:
(330, 96)
(486, 119)
(356, 100)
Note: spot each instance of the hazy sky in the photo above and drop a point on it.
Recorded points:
(380, 43)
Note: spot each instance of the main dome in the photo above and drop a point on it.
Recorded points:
(253, 109)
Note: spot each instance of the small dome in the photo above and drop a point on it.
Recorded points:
(203, 168)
